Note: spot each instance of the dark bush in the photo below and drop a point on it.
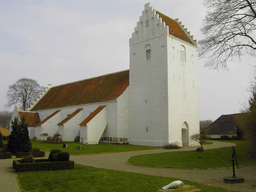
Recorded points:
(6, 155)
(172, 146)
(224, 137)
(53, 154)
(1, 150)
(63, 156)
(34, 149)
(1, 141)
(5, 137)
(42, 165)
(27, 159)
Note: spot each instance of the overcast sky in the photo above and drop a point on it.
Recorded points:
(61, 41)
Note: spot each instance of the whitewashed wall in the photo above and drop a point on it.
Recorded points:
(148, 82)
(183, 91)
(71, 128)
(164, 105)
(96, 127)
(50, 126)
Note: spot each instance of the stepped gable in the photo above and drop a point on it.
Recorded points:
(31, 118)
(176, 29)
(98, 89)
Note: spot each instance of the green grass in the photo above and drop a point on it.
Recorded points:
(83, 178)
(88, 149)
(214, 158)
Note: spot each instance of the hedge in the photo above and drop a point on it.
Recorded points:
(34, 154)
(6, 155)
(42, 165)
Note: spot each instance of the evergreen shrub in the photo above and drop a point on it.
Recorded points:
(27, 159)
(53, 154)
(19, 140)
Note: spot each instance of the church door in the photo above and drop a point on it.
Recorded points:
(184, 134)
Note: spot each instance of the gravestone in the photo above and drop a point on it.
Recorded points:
(65, 145)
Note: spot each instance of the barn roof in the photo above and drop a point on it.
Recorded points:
(98, 89)
(225, 124)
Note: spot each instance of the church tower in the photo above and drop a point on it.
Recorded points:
(164, 94)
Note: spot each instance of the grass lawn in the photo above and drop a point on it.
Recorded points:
(88, 149)
(214, 158)
(83, 178)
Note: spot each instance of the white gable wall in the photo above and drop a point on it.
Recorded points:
(92, 132)
(71, 128)
(183, 92)
(148, 82)
(50, 126)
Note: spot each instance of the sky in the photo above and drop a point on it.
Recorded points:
(61, 41)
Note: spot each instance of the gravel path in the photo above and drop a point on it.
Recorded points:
(8, 176)
(118, 161)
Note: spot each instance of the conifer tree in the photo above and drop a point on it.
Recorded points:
(1, 141)
(251, 126)
(19, 139)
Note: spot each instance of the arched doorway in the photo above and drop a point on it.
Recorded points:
(184, 134)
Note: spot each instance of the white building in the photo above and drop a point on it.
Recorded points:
(155, 103)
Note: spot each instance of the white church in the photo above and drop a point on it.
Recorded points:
(154, 103)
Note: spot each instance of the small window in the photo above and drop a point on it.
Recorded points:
(146, 129)
(147, 23)
(182, 54)
(148, 54)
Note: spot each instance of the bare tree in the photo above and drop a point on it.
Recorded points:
(200, 138)
(23, 93)
(204, 124)
(229, 30)
(5, 118)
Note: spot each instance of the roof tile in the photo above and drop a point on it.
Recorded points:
(98, 89)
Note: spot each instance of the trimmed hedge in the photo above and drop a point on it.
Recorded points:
(6, 155)
(34, 154)
(42, 165)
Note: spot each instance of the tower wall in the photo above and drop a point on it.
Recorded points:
(164, 106)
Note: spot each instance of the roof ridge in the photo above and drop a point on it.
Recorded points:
(91, 78)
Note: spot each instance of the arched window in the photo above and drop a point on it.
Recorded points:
(182, 54)
(148, 52)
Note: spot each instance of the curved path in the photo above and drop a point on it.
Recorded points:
(118, 161)
(211, 177)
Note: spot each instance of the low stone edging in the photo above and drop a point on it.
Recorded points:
(42, 165)
(34, 154)
(6, 155)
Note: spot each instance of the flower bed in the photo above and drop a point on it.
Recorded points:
(42, 165)
(34, 154)
(6, 155)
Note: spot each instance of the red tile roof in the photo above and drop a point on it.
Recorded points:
(31, 118)
(70, 116)
(92, 115)
(174, 28)
(98, 89)
(49, 117)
